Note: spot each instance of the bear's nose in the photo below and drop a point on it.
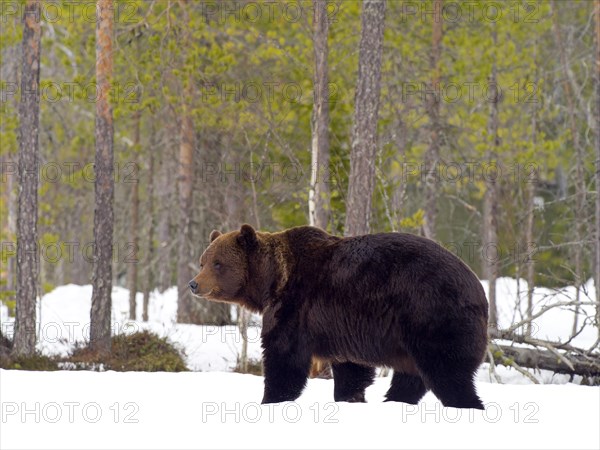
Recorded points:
(193, 286)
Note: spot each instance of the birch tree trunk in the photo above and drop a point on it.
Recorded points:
(243, 320)
(361, 182)
(319, 206)
(104, 183)
(319, 196)
(27, 210)
(432, 155)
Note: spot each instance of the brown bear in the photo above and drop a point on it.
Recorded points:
(389, 299)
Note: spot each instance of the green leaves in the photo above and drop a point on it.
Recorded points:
(246, 81)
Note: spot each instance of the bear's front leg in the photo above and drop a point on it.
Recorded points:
(285, 374)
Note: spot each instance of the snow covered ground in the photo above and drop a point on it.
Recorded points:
(79, 410)
(64, 320)
(213, 407)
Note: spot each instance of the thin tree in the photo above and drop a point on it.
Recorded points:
(149, 263)
(11, 192)
(432, 155)
(11, 201)
(361, 183)
(186, 313)
(529, 222)
(132, 272)
(165, 198)
(579, 163)
(235, 214)
(597, 250)
(27, 236)
(319, 196)
(104, 183)
(530, 190)
(319, 202)
(490, 202)
(186, 152)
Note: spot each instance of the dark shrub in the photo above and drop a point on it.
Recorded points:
(143, 351)
(36, 361)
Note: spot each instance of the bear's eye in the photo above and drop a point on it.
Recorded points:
(217, 265)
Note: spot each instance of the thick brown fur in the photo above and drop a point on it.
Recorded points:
(390, 299)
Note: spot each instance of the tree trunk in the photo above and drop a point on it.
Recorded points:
(490, 247)
(104, 184)
(319, 206)
(319, 196)
(149, 263)
(233, 209)
(529, 263)
(243, 320)
(432, 155)
(531, 185)
(27, 237)
(134, 225)
(490, 207)
(11, 199)
(361, 182)
(186, 152)
(164, 197)
(579, 164)
(597, 249)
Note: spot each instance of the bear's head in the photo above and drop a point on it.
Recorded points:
(231, 269)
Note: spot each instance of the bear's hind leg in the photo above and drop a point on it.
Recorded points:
(455, 389)
(448, 367)
(406, 388)
(350, 381)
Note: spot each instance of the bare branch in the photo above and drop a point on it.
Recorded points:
(519, 324)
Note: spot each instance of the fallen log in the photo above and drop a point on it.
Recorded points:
(569, 363)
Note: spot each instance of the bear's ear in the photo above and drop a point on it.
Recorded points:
(214, 234)
(247, 238)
